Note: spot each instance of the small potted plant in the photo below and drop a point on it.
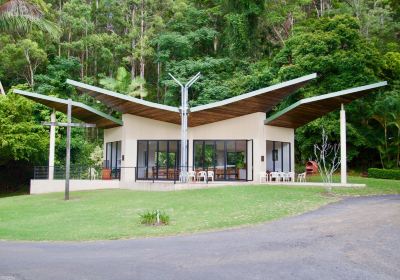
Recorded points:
(241, 167)
(106, 174)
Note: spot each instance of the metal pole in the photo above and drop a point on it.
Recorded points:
(52, 145)
(343, 152)
(184, 123)
(183, 135)
(185, 130)
(68, 157)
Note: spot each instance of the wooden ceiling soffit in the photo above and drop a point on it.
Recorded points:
(80, 111)
(309, 109)
(130, 105)
(262, 100)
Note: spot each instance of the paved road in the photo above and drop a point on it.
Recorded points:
(358, 238)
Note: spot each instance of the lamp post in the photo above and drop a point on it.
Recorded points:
(184, 109)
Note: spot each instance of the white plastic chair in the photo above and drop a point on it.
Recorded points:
(274, 175)
(210, 174)
(263, 176)
(282, 176)
(192, 176)
(290, 176)
(93, 173)
(202, 174)
(183, 175)
(301, 177)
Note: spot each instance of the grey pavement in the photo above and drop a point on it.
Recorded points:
(356, 238)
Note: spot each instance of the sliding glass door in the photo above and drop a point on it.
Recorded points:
(278, 156)
(158, 159)
(113, 158)
(227, 158)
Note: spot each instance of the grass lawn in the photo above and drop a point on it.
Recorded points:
(113, 214)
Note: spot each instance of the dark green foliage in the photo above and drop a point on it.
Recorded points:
(392, 174)
(22, 138)
(335, 49)
(150, 218)
(53, 80)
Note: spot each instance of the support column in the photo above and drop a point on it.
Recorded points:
(343, 152)
(68, 156)
(52, 145)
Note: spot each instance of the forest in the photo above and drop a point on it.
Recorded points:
(130, 46)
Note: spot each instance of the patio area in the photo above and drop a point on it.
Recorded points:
(58, 185)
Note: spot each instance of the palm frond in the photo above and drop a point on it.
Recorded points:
(18, 15)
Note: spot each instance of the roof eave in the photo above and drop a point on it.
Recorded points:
(324, 96)
(244, 96)
(65, 102)
(122, 96)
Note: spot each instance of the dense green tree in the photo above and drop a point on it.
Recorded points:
(22, 59)
(21, 137)
(333, 48)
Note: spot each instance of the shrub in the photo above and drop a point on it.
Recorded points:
(150, 218)
(393, 174)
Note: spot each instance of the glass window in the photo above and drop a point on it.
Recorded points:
(209, 151)
(230, 161)
(270, 158)
(220, 160)
(198, 154)
(286, 156)
(113, 158)
(158, 158)
(113, 155)
(108, 155)
(162, 159)
(142, 159)
(172, 163)
(278, 156)
(152, 159)
(241, 159)
(226, 157)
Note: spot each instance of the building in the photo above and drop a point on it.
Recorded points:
(231, 137)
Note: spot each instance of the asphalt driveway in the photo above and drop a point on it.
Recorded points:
(357, 238)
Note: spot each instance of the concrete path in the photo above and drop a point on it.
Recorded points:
(357, 238)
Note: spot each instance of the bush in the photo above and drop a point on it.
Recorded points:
(393, 174)
(150, 218)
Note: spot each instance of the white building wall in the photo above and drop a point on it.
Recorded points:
(248, 127)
